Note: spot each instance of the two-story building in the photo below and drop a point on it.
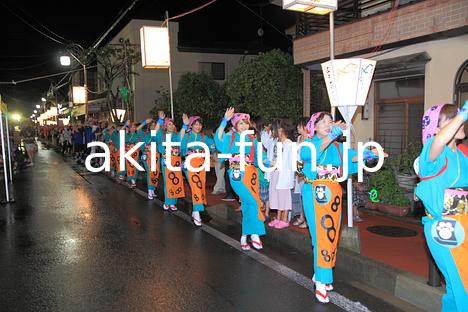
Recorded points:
(215, 59)
(421, 48)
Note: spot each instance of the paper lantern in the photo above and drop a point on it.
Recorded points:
(120, 113)
(311, 6)
(154, 47)
(348, 80)
(79, 95)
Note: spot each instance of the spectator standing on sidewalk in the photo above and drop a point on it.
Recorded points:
(282, 180)
(298, 208)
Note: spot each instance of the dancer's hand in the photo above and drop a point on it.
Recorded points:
(464, 111)
(185, 119)
(229, 113)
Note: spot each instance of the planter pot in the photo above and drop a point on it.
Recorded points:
(406, 181)
(399, 211)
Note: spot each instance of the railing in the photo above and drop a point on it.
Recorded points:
(348, 12)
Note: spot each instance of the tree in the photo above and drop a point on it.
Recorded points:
(115, 61)
(198, 94)
(268, 85)
(162, 103)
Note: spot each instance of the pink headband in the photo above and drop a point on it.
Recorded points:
(192, 120)
(311, 123)
(238, 117)
(167, 120)
(430, 122)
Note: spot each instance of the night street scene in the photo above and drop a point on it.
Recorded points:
(234, 155)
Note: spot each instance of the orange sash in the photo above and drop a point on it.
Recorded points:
(117, 161)
(154, 175)
(460, 253)
(327, 203)
(250, 180)
(197, 181)
(174, 180)
(131, 169)
(111, 155)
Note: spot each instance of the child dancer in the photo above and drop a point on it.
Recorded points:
(196, 180)
(282, 181)
(152, 176)
(131, 138)
(107, 138)
(442, 168)
(244, 183)
(299, 181)
(321, 195)
(173, 180)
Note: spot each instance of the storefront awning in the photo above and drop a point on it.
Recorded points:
(407, 65)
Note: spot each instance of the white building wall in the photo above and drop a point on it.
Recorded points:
(149, 81)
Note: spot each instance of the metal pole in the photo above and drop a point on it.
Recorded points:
(86, 91)
(349, 190)
(3, 155)
(434, 274)
(170, 66)
(332, 48)
(8, 145)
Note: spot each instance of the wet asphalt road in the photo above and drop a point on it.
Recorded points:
(72, 244)
(80, 242)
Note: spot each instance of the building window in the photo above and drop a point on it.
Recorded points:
(399, 107)
(214, 70)
(461, 85)
(372, 7)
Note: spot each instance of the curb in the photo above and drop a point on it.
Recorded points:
(403, 285)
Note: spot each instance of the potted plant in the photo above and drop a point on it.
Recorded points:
(403, 167)
(388, 196)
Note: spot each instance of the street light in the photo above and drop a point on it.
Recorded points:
(310, 6)
(16, 117)
(35, 111)
(43, 100)
(38, 106)
(65, 60)
(320, 7)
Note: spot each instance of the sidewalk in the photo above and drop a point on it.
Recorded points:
(408, 254)
(397, 265)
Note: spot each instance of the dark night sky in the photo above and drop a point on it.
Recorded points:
(25, 53)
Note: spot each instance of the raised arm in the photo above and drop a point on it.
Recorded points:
(447, 133)
(227, 116)
(185, 127)
(144, 123)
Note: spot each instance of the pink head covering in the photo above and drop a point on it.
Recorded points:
(238, 117)
(311, 123)
(167, 120)
(192, 120)
(430, 122)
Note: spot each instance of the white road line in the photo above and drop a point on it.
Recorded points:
(337, 299)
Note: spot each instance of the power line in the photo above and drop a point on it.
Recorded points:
(26, 67)
(42, 77)
(25, 56)
(43, 26)
(27, 23)
(119, 18)
(190, 11)
(262, 18)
